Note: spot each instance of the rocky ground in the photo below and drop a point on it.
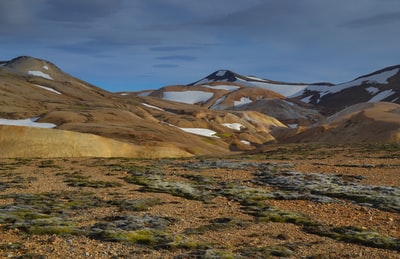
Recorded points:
(295, 201)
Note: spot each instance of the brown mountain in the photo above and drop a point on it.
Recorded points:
(377, 122)
(34, 88)
(206, 117)
(304, 111)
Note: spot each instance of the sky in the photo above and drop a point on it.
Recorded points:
(132, 45)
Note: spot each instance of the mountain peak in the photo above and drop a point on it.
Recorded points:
(27, 62)
(389, 71)
(219, 75)
(26, 65)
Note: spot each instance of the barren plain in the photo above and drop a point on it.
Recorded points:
(291, 201)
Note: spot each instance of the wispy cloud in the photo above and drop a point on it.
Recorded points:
(375, 20)
(165, 65)
(174, 48)
(178, 57)
(307, 41)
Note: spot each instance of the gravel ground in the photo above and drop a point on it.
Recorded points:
(294, 201)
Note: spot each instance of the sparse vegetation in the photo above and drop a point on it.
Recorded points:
(78, 180)
(359, 236)
(211, 190)
(137, 205)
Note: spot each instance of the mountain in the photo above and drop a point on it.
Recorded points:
(301, 107)
(31, 86)
(35, 92)
(47, 112)
(227, 90)
(285, 89)
(380, 86)
(376, 122)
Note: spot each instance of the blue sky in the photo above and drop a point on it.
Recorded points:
(129, 45)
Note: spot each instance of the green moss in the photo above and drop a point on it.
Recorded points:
(45, 213)
(137, 205)
(91, 184)
(156, 183)
(216, 225)
(53, 230)
(48, 164)
(148, 237)
(267, 213)
(266, 252)
(79, 180)
(364, 237)
(143, 236)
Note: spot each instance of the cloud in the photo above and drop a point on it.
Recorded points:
(308, 40)
(165, 66)
(178, 57)
(375, 20)
(174, 48)
(79, 10)
(15, 15)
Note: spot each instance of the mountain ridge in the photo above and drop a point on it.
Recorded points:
(230, 114)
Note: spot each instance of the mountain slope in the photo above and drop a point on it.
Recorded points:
(381, 85)
(205, 118)
(226, 90)
(285, 89)
(377, 122)
(30, 86)
(16, 141)
(36, 89)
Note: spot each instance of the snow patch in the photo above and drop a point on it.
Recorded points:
(220, 100)
(243, 100)
(31, 122)
(306, 99)
(203, 81)
(221, 73)
(201, 132)
(245, 142)
(229, 88)
(283, 89)
(48, 89)
(234, 126)
(293, 126)
(153, 107)
(382, 95)
(381, 78)
(189, 97)
(378, 79)
(372, 90)
(255, 78)
(46, 67)
(40, 74)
